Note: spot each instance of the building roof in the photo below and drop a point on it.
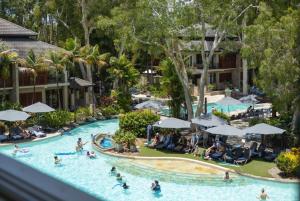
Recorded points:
(10, 29)
(77, 83)
(23, 45)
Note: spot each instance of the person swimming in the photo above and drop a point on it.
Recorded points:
(226, 177)
(125, 186)
(18, 149)
(113, 170)
(263, 195)
(155, 187)
(57, 161)
(91, 154)
(119, 177)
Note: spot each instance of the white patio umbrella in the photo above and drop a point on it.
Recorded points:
(228, 101)
(209, 121)
(226, 130)
(38, 108)
(13, 115)
(249, 99)
(263, 129)
(173, 123)
(152, 104)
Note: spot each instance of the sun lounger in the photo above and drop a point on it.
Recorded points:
(3, 138)
(36, 131)
(245, 158)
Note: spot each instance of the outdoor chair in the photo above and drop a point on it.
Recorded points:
(165, 143)
(36, 131)
(245, 158)
(15, 134)
(228, 156)
(3, 138)
(272, 155)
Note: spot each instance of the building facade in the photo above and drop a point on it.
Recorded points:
(19, 86)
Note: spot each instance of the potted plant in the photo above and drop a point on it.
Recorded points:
(118, 138)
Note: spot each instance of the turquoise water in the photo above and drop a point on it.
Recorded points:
(218, 107)
(92, 175)
(106, 143)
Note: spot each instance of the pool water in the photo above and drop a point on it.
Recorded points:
(92, 175)
(210, 106)
(106, 143)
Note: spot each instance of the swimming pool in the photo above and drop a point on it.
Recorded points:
(91, 175)
(106, 143)
(210, 106)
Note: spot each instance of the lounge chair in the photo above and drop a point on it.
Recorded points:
(271, 156)
(245, 158)
(161, 142)
(36, 131)
(15, 134)
(3, 138)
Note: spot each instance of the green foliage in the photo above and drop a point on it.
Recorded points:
(171, 85)
(3, 127)
(289, 162)
(110, 110)
(212, 87)
(124, 137)
(137, 121)
(221, 115)
(125, 76)
(10, 105)
(56, 119)
(82, 113)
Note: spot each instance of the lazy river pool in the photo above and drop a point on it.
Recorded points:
(92, 175)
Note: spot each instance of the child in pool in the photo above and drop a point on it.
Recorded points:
(226, 177)
(113, 170)
(57, 161)
(119, 177)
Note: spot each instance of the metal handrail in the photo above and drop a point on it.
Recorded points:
(21, 182)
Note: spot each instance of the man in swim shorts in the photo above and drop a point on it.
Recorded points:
(56, 160)
(80, 145)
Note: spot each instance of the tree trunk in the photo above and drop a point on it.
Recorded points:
(34, 83)
(181, 72)
(84, 21)
(3, 92)
(90, 78)
(244, 62)
(296, 120)
(201, 88)
(57, 90)
(82, 69)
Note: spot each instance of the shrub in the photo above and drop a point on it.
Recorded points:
(110, 110)
(56, 119)
(221, 115)
(289, 162)
(82, 113)
(137, 121)
(124, 137)
(107, 101)
(3, 127)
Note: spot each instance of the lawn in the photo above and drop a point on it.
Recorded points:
(254, 167)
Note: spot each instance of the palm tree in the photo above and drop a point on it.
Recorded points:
(7, 59)
(34, 65)
(57, 61)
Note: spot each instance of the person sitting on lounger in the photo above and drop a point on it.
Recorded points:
(263, 195)
(155, 140)
(57, 160)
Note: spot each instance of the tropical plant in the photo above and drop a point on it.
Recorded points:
(82, 113)
(7, 59)
(124, 137)
(137, 121)
(3, 127)
(110, 110)
(221, 115)
(56, 119)
(34, 65)
(57, 62)
(289, 162)
(172, 86)
(125, 76)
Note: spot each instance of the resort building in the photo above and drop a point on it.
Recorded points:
(225, 69)
(19, 86)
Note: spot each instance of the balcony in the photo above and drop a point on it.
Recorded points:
(43, 78)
